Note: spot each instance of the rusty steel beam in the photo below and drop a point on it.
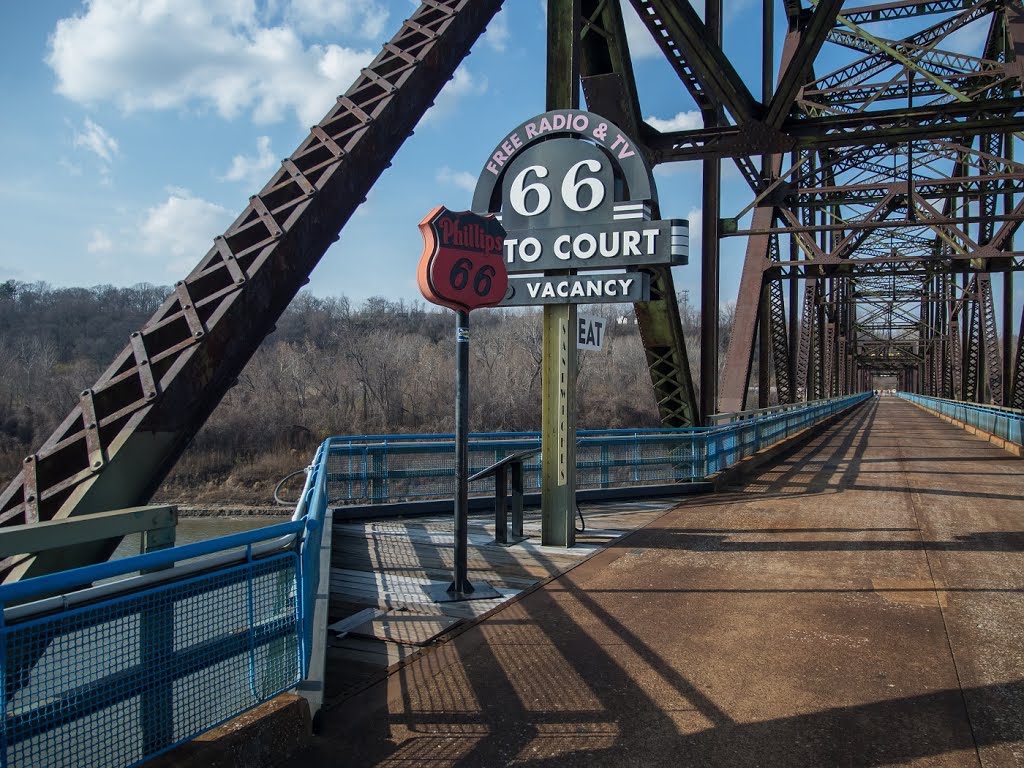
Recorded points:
(1016, 399)
(990, 339)
(115, 447)
(736, 374)
(693, 51)
(808, 43)
(879, 127)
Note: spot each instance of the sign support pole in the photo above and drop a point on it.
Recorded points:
(558, 380)
(461, 268)
(461, 583)
(558, 428)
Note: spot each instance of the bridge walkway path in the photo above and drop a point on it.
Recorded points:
(858, 603)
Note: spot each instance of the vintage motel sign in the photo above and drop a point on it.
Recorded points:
(580, 211)
(574, 194)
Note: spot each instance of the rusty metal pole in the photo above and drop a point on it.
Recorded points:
(709, 256)
(764, 322)
(460, 583)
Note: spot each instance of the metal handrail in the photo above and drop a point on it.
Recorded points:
(61, 589)
(726, 417)
(1004, 423)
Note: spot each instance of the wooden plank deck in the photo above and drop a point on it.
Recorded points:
(386, 564)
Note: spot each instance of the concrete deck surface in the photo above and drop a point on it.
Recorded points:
(859, 603)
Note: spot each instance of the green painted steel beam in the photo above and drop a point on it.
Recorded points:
(559, 365)
(68, 532)
(606, 66)
(661, 331)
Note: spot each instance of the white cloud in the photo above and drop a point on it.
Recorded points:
(315, 17)
(497, 33)
(249, 169)
(461, 179)
(72, 168)
(684, 121)
(171, 54)
(182, 228)
(462, 84)
(100, 242)
(94, 138)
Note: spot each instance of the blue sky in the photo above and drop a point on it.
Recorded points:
(133, 131)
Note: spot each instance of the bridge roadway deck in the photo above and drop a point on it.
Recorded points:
(858, 603)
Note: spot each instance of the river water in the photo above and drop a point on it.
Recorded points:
(193, 529)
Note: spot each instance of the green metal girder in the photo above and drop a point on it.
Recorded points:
(667, 360)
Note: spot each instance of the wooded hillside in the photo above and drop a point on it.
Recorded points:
(329, 369)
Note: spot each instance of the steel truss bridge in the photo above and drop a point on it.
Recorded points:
(883, 197)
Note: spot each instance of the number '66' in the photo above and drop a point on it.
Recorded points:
(571, 187)
(460, 274)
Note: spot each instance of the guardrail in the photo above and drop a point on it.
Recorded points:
(100, 672)
(1005, 423)
(727, 417)
(367, 470)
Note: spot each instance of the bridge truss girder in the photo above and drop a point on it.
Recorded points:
(900, 177)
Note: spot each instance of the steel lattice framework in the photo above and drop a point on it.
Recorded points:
(880, 165)
(883, 196)
(890, 181)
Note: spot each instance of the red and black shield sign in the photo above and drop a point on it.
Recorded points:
(462, 265)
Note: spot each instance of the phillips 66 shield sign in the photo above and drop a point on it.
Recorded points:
(461, 267)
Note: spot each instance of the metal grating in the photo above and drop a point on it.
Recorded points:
(115, 683)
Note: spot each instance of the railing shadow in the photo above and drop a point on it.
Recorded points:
(552, 685)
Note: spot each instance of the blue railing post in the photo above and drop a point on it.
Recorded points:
(3, 687)
(366, 479)
(377, 490)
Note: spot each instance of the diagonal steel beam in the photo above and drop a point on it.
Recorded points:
(115, 447)
(610, 88)
(808, 44)
(683, 38)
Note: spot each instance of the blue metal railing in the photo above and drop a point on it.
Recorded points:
(1004, 423)
(377, 470)
(101, 673)
(117, 673)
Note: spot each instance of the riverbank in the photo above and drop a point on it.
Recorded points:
(233, 510)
